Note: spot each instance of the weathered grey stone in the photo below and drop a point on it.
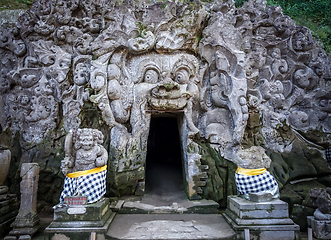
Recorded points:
(260, 197)
(322, 200)
(266, 220)
(170, 226)
(275, 209)
(24, 237)
(196, 207)
(97, 212)
(10, 16)
(27, 220)
(321, 228)
(5, 157)
(97, 218)
(10, 238)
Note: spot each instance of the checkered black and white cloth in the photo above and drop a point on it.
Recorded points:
(328, 154)
(255, 184)
(93, 186)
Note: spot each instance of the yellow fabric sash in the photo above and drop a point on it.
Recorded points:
(86, 172)
(251, 172)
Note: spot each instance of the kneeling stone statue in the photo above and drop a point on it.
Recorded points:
(252, 176)
(84, 165)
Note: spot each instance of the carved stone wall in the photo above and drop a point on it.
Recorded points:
(235, 77)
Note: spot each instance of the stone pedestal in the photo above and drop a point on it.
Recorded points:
(80, 222)
(27, 220)
(265, 220)
(321, 228)
(8, 210)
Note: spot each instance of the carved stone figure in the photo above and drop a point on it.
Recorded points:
(85, 163)
(252, 175)
(321, 222)
(322, 200)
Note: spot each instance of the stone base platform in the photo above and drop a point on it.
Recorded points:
(8, 212)
(321, 228)
(80, 222)
(170, 226)
(265, 220)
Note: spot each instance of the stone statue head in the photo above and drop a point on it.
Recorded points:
(254, 158)
(321, 199)
(87, 138)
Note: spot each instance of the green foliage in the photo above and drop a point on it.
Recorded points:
(239, 3)
(15, 4)
(314, 14)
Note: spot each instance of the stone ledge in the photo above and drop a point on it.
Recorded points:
(244, 204)
(244, 209)
(259, 221)
(199, 206)
(94, 212)
(266, 232)
(51, 229)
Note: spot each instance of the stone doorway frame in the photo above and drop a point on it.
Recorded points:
(178, 116)
(194, 175)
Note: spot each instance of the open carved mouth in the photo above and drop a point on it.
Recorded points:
(163, 99)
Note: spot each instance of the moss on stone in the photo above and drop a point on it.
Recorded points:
(15, 4)
(221, 181)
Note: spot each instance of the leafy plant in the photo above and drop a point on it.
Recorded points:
(314, 14)
(15, 4)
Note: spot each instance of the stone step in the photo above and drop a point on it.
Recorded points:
(201, 206)
(170, 226)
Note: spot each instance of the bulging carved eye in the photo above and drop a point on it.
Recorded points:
(182, 76)
(151, 76)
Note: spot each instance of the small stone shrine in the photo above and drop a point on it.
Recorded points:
(8, 202)
(257, 206)
(321, 221)
(82, 210)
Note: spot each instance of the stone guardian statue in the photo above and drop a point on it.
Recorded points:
(84, 165)
(253, 181)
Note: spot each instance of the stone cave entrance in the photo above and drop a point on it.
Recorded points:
(164, 171)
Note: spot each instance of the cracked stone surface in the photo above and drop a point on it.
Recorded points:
(170, 226)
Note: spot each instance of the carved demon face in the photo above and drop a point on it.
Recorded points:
(85, 141)
(170, 80)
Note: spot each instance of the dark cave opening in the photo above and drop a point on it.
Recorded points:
(164, 173)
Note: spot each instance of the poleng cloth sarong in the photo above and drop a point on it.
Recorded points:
(89, 183)
(248, 183)
(328, 154)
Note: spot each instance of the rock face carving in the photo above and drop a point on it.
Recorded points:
(214, 66)
(85, 165)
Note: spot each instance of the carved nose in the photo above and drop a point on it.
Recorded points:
(169, 84)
